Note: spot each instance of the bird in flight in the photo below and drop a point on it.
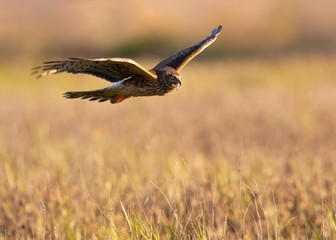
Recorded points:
(130, 78)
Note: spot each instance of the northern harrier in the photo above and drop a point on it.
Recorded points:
(131, 79)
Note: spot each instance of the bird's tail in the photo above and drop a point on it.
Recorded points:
(100, 95)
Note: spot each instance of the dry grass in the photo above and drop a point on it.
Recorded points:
(243, 150)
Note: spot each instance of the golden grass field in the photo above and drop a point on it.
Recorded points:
(245, 149)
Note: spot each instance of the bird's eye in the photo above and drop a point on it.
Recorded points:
(172, 77)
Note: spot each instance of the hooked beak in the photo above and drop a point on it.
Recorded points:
(176, 83)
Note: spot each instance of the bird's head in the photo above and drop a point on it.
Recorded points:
(171, 78)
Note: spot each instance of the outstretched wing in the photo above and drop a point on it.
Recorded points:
(110, 69)
(181, 58)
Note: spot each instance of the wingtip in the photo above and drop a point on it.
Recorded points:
(68, 95)
(216, 31)
(36, 72)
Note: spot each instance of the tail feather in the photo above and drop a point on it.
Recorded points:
(101, 95)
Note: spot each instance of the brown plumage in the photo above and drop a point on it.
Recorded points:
(130, 78)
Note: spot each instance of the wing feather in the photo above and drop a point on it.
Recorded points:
(181, 58)
(110, 69)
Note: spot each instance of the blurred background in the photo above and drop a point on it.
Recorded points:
(253, 126)
(43, 29)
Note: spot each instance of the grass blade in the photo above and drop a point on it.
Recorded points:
(224, 228)
(125, 213)
(156, 232)
(204, 221)
(102, 229)
(332, 219)
(140, 231)
(172, 230)
(316, 233)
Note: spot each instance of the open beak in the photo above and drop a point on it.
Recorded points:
(176, 83)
